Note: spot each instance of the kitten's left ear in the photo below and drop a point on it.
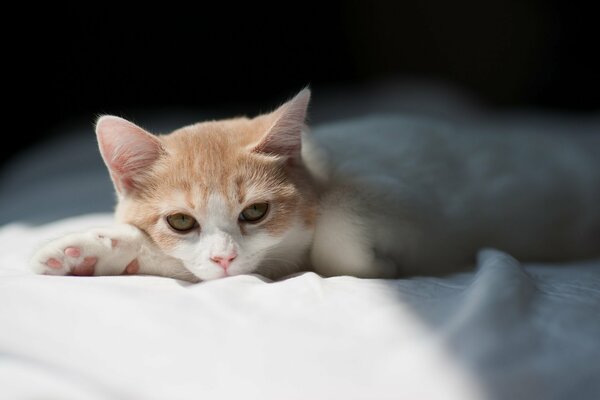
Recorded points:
(284, 136)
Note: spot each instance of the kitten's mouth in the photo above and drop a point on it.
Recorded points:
(211, 272)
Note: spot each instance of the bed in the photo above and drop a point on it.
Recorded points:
(504, 330)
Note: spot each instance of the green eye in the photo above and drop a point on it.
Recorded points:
(181, 222)
(254, 213)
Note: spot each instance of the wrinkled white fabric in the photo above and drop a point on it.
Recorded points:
(502, 331)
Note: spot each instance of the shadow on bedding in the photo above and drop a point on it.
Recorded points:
(524, 333)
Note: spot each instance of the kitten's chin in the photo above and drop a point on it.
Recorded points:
(209, 275)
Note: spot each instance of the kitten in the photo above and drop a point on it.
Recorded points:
(373, 197)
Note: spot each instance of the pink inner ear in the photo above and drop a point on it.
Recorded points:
(284, 137)
(126, 149)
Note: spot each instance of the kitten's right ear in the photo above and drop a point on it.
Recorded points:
(127, 150)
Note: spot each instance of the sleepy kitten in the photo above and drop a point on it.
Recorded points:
(375, 197)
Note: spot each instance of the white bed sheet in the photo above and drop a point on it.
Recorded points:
(503, 331)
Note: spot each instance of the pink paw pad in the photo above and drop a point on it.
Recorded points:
(86, 268)
(132, 268)
(54, 263)
(72, 252)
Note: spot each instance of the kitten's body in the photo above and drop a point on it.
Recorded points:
(376, 197)
(427, 196)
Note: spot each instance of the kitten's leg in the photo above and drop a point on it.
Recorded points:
(117, 250)
(342, 246)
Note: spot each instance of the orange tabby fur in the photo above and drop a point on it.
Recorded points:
(216, 156)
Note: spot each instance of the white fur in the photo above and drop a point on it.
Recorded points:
(284, 255)
(114, 247)
(219, 234)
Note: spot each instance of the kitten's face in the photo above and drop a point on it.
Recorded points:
(226, 197)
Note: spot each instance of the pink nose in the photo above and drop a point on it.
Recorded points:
(224, 261)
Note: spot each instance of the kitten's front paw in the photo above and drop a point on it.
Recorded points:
(110, 251)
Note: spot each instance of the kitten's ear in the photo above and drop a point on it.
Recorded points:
(127, 150)
(284, 136)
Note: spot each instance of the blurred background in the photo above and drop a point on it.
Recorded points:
(225, 60)
(103, 59)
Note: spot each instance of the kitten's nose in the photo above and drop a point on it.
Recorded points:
(224, 261)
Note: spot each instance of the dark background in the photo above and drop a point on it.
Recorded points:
(104, 59)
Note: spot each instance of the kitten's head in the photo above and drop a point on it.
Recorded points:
(225, 197)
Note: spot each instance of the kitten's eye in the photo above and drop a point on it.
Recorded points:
(181, 222)
(254, 213)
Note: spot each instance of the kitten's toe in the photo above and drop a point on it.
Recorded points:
(73, 252)
(85, 268)
(54, 263)
(132, 268)
(51, 266)
(48, 261)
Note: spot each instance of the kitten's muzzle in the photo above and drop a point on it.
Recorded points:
(224, 261)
